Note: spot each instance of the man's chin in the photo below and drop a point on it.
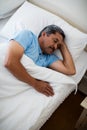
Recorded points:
(50, 53)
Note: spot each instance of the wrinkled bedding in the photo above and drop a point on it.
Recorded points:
(21, 106)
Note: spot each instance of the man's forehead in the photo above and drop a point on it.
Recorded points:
(58, 36)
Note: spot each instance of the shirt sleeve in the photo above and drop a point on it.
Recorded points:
(24, 38)
(52, 58)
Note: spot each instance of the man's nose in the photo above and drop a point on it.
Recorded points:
(55, 46)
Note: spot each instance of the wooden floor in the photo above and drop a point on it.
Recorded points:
(65, 117)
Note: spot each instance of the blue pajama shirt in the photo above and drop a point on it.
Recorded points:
(29, 42)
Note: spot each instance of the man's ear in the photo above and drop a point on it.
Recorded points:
(43, 33)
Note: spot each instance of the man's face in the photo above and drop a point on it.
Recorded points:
(51, 42)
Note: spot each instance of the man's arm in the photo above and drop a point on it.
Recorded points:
(66, 65)
(13, 64)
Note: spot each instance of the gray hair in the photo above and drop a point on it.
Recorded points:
(52, 29)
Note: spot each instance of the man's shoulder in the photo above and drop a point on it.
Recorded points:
(26, 31)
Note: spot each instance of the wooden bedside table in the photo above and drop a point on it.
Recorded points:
(82, 121)
(83, 84)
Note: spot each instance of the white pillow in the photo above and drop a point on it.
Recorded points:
(31, 17)
(7, 7)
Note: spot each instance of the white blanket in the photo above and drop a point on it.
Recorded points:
(20, 105)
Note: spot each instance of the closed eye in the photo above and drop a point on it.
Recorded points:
(55, 40)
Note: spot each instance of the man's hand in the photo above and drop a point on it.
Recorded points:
(66, 65)
(44, 88)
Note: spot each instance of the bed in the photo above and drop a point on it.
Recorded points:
(21, 107)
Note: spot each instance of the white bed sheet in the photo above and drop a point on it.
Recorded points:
(20, 105)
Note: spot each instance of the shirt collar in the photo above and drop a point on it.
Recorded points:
(40, 51)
